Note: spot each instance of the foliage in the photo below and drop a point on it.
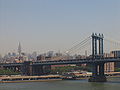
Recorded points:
(117, 69)
(64, 69)
(8, 72)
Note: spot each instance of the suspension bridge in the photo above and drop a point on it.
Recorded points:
(93, 44)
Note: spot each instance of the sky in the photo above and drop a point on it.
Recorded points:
(53, 25)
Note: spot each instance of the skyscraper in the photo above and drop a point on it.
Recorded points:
(19, 49)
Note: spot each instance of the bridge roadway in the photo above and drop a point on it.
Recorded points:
(62, 62)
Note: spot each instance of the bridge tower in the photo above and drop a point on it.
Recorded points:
(97, 45)
(97, 53)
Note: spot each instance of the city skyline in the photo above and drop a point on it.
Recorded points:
(55, 25)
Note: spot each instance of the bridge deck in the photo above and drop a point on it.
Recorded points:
(60, 62)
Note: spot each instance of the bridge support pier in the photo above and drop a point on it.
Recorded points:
(26, 69)
(98, 73)
(41, 69)
(29, 69)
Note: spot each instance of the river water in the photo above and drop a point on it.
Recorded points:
(112, 84)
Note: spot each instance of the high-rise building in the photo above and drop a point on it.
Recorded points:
(34, 56)
(19, 49)
(110, 66)
(0, 58)
(116, 54)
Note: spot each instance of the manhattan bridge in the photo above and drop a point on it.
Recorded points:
(95, 45)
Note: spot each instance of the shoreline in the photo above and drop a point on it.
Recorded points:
(12, 79)
(30, 81)
(17, 79)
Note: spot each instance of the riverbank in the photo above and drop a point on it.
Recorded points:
(112, 84)
(45, 78)
(12, 79)
(30, 81)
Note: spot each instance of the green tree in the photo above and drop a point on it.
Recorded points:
(8, 72)
(64, 69)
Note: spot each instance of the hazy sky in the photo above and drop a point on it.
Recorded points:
(43, 25)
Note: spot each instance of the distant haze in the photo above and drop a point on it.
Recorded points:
(45, 25)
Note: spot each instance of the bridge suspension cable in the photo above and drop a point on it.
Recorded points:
(79, 46)
(111, 45)
(86, 43)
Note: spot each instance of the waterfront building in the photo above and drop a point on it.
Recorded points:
(116, 54)
(109, 67)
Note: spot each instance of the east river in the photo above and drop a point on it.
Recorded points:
(112, 84)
